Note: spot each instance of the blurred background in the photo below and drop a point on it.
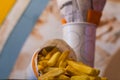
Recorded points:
(48, 26)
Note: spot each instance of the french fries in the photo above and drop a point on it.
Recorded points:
(63, 77)
(103, 78)
(44, 52)
(52, 73)
(62, 64)
(56, 65)
(63, 57)
(51, 53)
(73, 72)
(52, 61)
(83, 68)
(82, 77)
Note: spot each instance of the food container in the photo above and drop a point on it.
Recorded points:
(81, 37)
(32, 71)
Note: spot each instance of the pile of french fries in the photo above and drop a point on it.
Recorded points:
(56, 65)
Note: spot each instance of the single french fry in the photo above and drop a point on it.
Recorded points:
(82, 68)
(83, 77)
(63, 77)
(51, 53)
(62, 64)
(96, 70)
(42, 58)
(48, 78)
(47, 69)
(43, 63)
(54, 59)
(94, 78)
(39, 57)
(79, 62)
(52, 73)
(103, 78)
(73, 72)
(63, 57)
(40, 67)
(44, 52)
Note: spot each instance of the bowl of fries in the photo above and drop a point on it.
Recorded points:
(56, 60)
